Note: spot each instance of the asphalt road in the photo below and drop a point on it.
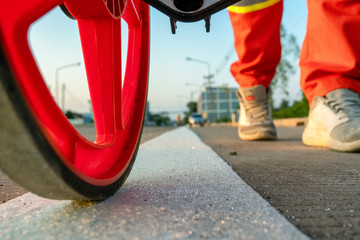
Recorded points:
(316, 189)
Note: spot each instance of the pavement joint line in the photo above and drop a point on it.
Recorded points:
(179, 188)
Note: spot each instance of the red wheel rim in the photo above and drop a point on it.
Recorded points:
(118, 108)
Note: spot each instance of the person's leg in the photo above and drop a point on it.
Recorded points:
(330, 56)
(330, 74)
(256, 26)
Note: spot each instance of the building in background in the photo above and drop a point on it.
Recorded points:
(218, 103)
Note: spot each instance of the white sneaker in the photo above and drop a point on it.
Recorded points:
(255, 122)
(334, 121)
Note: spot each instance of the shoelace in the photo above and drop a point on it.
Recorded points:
(257, 110)
(349, 106)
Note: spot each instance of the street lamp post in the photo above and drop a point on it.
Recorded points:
(192, 92)
(208, 77)
(76, 64)
(63, 97)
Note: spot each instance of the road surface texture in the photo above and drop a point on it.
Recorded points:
(316, 189)
(179, 189)
(10, 190)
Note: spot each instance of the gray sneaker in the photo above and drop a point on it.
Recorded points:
(255, 122)
(334, 121)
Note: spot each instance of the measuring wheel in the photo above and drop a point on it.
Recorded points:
(39, 148)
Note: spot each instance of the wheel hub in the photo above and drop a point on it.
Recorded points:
(82, 9)
(115, 7)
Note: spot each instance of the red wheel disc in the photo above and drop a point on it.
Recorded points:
(118, 108)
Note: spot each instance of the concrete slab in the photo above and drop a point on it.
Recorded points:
(179, 188)
(316, 189)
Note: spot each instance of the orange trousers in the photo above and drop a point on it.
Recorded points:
(330, 55)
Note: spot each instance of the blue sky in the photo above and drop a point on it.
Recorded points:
(55, 42)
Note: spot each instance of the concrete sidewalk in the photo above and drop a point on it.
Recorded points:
(316, 189)
(179, 189)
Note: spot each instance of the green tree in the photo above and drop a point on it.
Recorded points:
(69, 115)
(285, 70)
(160, 119)
(298, 109)
(288, 63)
(192, 107)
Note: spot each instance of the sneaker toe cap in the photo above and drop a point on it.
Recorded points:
(257, 132)
(347, 132)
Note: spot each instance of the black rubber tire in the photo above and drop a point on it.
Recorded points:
(27, 157)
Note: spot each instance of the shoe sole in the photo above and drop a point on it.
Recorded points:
(257, 136)
(316, 137)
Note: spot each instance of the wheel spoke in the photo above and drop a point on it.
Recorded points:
(101, 43)
(117, 65)
(132, 14)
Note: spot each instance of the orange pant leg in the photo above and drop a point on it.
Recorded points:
(330, 56)
(256, 26)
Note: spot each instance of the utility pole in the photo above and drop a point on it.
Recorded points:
(209, 76)
(76, 64)
(63, 97)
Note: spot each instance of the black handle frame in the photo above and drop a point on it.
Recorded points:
(208, 7)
